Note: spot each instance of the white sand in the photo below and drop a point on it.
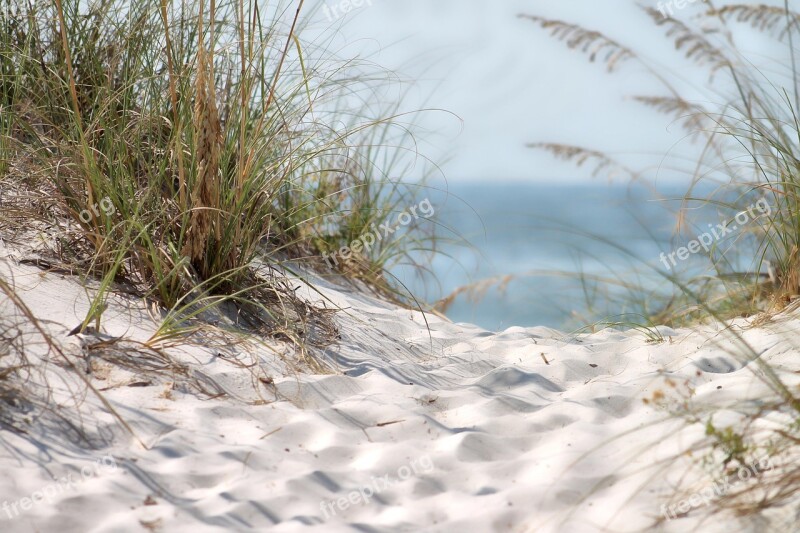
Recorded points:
(451, 429)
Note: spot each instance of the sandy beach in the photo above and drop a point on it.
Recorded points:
(425, 426)
(380, 267)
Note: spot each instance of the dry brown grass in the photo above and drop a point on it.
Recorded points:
(205, 199)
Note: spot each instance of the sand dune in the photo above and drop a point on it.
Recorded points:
(426, 426)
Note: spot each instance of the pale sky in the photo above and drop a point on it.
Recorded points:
(510, 83)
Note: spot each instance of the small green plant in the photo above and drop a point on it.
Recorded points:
(730, 442)
(631, 322)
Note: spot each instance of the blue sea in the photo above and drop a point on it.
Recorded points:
(552, 239)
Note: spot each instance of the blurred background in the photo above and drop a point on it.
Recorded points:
(492, 83)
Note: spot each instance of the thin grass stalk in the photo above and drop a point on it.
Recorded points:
(276, 76)
(176, 122)
(22, 307)
(76, 105)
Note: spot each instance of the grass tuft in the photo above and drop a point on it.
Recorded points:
(179, 147)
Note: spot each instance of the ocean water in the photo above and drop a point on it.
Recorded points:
(546, 237)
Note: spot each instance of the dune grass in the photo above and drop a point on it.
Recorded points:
(746, 138)
(748, 145)
(188, 148)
